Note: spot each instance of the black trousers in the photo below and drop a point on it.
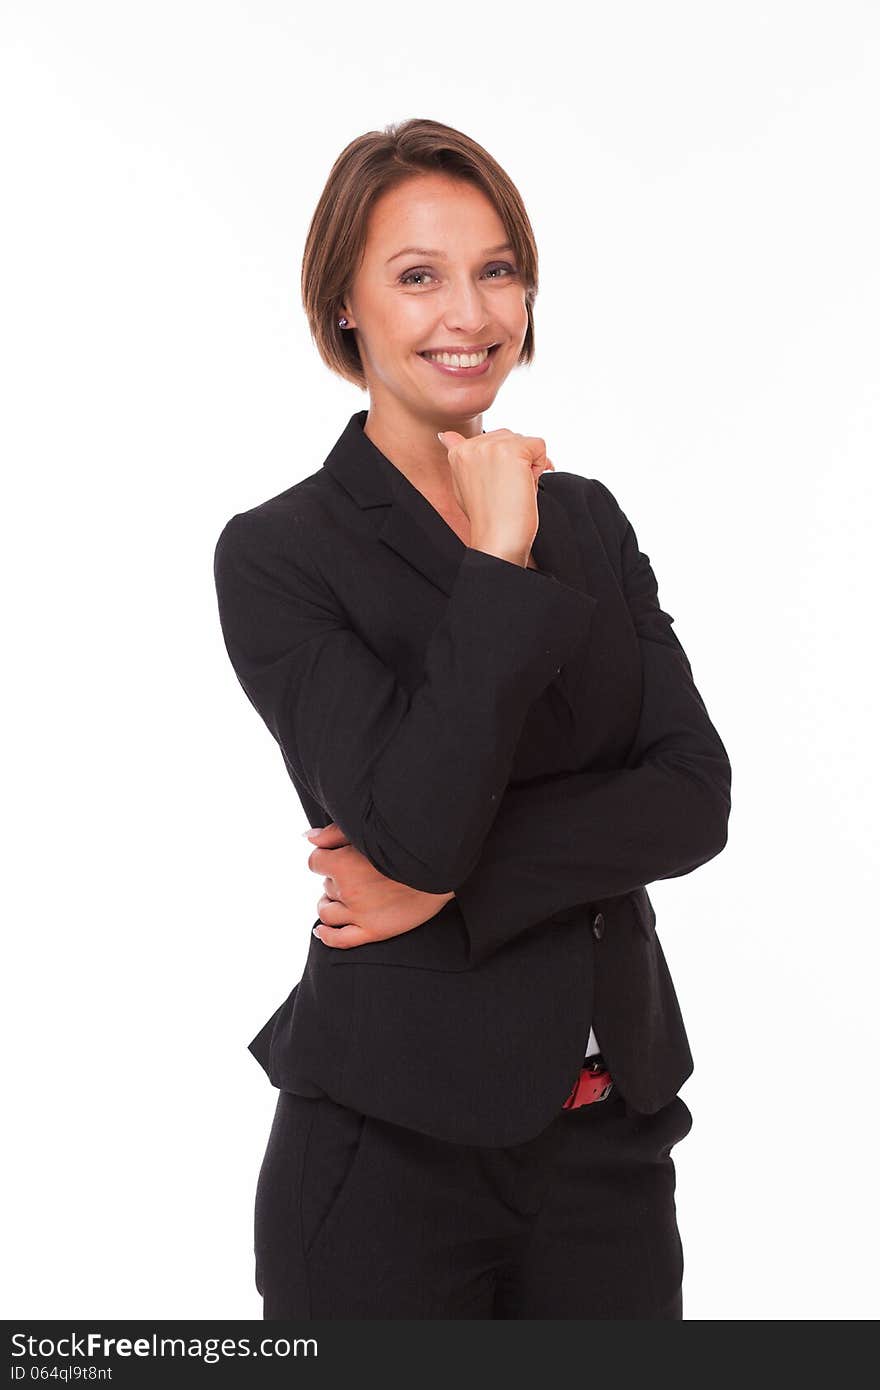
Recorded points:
(356, 1217)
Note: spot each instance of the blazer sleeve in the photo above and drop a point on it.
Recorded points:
(415, 780)
(569, 839)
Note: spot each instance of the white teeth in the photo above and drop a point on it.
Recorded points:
(454, 359)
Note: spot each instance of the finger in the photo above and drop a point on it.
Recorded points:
(333, 912)
(449, 438)
(340, 938)
(330, 836)
(545, 466)
(537, 447)
(320, 860)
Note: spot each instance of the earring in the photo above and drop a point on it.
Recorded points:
(343, 323)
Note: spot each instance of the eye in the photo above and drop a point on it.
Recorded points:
(408, 277)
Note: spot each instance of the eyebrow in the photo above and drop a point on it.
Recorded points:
(438, 255)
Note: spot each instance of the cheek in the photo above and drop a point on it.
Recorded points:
(399, 314)
(392, 327)
(517, 323)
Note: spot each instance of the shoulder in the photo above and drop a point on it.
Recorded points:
(283, 523)
(274, 547)
(588, 496)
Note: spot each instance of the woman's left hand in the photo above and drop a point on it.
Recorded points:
(360, 904)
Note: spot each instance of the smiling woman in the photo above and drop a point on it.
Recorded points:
(434, 337)
(462, 656)
(459, 226)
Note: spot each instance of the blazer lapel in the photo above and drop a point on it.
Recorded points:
(402, 517)
(407, 522)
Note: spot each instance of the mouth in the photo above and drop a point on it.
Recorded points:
(475, 363)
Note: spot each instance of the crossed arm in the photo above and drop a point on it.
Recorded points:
(586, 835)
(418, 784)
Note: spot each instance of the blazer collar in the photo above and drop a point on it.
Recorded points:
(407, 522)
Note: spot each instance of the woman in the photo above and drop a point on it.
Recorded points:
(484, 710)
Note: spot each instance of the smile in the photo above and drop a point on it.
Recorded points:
(469, 364)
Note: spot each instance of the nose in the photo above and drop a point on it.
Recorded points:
(465, 310)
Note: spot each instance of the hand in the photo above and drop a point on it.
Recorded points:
(495, 480)
(360, 904)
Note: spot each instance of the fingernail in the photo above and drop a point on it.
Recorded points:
(440, 434)
(310, 834)
(316, 931)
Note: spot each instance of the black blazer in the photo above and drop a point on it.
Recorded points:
(533, 740)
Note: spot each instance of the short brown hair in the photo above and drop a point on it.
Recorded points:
(367, 168)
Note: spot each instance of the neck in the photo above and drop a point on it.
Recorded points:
(410, 442)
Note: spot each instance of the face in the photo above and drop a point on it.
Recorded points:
(462, 290)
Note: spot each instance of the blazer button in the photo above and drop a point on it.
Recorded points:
(598, 926)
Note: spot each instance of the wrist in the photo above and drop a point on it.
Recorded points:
(501, 549)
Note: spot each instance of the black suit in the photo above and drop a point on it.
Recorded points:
(533, 740)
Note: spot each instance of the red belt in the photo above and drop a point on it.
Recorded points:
(593, 1083)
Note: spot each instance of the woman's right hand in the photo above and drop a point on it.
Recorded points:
(495, 480)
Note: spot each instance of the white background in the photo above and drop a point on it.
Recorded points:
(703, 185)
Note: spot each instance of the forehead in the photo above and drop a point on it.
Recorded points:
(433, 211)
